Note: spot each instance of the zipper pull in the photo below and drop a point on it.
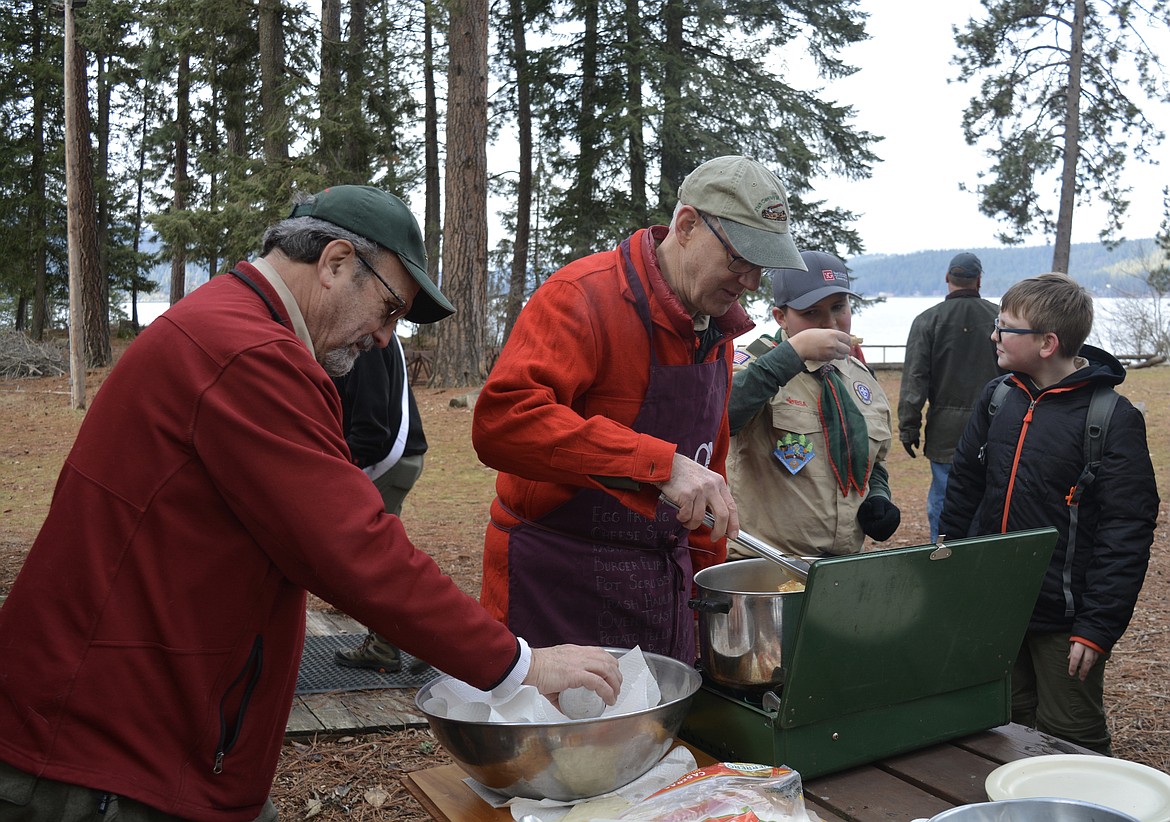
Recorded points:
(218, 767)
(104, 802)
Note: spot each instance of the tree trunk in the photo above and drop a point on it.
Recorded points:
(635, 45)
(582, 198)
(98, 352)
(330, 87)
(38, 248)
(95, 302)
(1062, 246)
(357, 145)
(273, 105)
(672, 131)
(72, 175)
(432, 226)
(518, 282)
(459, 359)
(182, 183)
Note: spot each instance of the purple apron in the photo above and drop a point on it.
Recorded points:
(593, 572)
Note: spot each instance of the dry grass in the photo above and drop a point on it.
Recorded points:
(357, 777)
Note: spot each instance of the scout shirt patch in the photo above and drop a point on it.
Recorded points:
(863, 392)
(794, 452)
(740, 357)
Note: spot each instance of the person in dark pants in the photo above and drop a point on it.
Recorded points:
(949, 358)
(385, 435)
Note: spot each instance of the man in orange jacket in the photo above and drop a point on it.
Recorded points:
(611, 391)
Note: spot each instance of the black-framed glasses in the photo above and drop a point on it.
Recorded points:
(1000, 330)
(393, 311)
(738, 264)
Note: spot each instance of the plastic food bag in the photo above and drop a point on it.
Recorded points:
(726, 792)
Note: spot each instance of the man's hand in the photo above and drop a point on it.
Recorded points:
(821, 344)
(879, 518)
(909, 446)
(562, 667)
(697, 490)
(1081, 659)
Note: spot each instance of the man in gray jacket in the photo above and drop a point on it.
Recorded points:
(949, 358)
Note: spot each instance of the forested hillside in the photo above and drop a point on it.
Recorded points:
(1102, 271)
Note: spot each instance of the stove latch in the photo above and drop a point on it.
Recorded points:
(940, 551)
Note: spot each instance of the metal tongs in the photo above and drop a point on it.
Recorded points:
(796, 566)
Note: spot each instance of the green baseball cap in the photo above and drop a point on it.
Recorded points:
(384, 219)
(751, 205)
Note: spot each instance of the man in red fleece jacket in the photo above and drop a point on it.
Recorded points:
(149, 648)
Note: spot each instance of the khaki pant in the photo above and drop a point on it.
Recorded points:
(26, 798)
(1046, 698)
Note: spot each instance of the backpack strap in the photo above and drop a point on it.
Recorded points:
(1101, 406)
(1002, 387)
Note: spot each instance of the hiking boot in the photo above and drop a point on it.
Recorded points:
(374, 653)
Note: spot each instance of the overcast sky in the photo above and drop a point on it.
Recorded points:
(913, 201)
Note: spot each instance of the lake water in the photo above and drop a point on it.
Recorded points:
(883, 326)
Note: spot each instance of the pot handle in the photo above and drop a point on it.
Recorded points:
(710, 606)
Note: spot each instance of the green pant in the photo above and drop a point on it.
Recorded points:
(1046, 698)
(26, 798)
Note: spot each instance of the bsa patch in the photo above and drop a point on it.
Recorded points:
(863, 392)
(794, 452)
(740, 357)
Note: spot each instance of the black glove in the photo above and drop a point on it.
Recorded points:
(879, 518)
(909, 446)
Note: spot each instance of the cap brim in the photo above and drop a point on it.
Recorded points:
(429, 305)
(813, 297)
(768, 249)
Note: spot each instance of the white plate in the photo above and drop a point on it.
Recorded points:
(1139, 790)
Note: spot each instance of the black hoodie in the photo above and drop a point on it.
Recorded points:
(1033, 457)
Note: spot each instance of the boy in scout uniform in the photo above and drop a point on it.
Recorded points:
(810, 425)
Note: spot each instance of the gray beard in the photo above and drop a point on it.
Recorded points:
(339, 361)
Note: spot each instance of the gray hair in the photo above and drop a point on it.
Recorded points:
(302, 239)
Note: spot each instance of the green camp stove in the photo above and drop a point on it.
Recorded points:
(883, 653)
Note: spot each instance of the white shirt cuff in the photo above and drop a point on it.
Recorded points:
(515, 677)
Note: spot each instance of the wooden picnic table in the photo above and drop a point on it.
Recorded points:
(916, 785)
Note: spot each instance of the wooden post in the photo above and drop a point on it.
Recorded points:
(72, 147)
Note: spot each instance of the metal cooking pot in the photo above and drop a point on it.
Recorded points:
(742, 616)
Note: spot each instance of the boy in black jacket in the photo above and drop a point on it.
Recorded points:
(1014, 471)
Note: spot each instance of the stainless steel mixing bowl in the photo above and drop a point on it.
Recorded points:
(1033, 810)
(574, 759)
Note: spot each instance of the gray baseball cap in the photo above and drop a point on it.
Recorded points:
(823, 274)
(751, 205)
(965, 266)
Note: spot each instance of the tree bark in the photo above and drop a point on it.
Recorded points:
(38, 248)
(72, 174)
(432, 224)
(1062, 245)
(518, 282)
(182, 183)
(357, 145)
(672, 131)
(273, 105)
(330, 87)
(459, 359)
(635, 37)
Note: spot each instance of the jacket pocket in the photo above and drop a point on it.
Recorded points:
(233, 707)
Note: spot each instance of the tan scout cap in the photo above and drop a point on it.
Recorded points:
(751, 205)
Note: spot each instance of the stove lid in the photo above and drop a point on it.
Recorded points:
(889, 627)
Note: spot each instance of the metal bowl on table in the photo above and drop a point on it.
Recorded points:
(574, 759)
(1033, 810)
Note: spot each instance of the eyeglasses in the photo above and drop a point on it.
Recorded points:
(394, 311)
(1000, 331)
(738, 264)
